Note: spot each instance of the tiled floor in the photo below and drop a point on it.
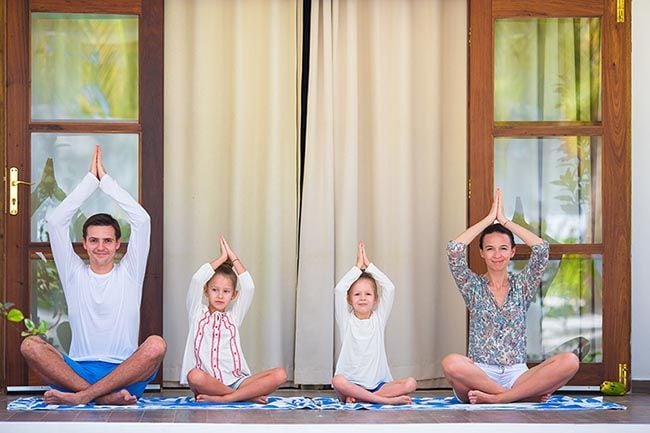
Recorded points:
(638, 412)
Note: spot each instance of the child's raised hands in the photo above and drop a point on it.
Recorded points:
(366, 261)
(362, 259)
(224, 250)
(231, 255)
(360, 255)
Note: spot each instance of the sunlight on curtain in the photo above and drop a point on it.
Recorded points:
(382, 104)
(231, 134)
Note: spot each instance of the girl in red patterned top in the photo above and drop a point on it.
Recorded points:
(213, 363)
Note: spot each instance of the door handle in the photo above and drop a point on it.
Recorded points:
(13, 190)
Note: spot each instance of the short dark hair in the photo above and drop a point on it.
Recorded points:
(227, 271)
(102, 219)
(496, 228)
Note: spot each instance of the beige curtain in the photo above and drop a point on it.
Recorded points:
(384, 162)
(231, 134)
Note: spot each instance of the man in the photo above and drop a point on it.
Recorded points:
(105, 364)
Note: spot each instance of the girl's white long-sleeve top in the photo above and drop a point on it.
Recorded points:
(363, 356)
(213, 339)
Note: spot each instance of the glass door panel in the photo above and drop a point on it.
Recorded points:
(84, 67)
(566, 314)
(48, 301)
(547, 69)
(60, 161)
(552, 185)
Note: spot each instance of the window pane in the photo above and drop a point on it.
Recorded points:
(567, 312)
(49, 303)
(552, 185)
(547, 69)
(84, 67)
(59, 163)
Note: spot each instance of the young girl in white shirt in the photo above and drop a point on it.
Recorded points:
(213, 363)
(362, 372)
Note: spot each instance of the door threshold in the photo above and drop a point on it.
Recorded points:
(40, 388)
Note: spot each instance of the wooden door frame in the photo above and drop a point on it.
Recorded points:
(3, 294)
(616, 81)
(151, 62)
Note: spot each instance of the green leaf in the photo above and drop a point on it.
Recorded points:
(29, 324)
(43, 327)
(15, 315)
(25, 334)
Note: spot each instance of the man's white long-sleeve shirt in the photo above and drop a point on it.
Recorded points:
(103, 309)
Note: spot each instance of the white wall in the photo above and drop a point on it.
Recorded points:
(640, 191)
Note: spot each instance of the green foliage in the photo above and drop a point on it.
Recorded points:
(612, 388)
(15, 315)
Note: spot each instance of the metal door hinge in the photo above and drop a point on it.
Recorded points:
(620, 11)
(622, 374)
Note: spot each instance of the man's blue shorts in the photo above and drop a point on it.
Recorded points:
(93, 371)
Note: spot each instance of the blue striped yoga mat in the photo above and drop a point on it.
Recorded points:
(556, 402)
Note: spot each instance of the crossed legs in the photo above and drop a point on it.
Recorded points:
(395, 392)
(472, 385)
(254, 388)
(50, 365)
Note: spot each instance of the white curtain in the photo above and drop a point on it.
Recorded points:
(385, 101)
(385, 162)
(231, 134)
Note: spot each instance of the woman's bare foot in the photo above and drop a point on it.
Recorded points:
(478, 397)
(350, 400)
(119, 398)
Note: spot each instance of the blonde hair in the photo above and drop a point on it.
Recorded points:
(364, 276)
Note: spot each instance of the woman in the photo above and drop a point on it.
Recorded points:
(495, 369)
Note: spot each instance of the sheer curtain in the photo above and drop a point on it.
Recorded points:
(385, 122)
(231, 134)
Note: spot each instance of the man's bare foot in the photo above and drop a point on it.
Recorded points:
(350, 400)
(119, 398)
(478, 397)
(54, 396)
